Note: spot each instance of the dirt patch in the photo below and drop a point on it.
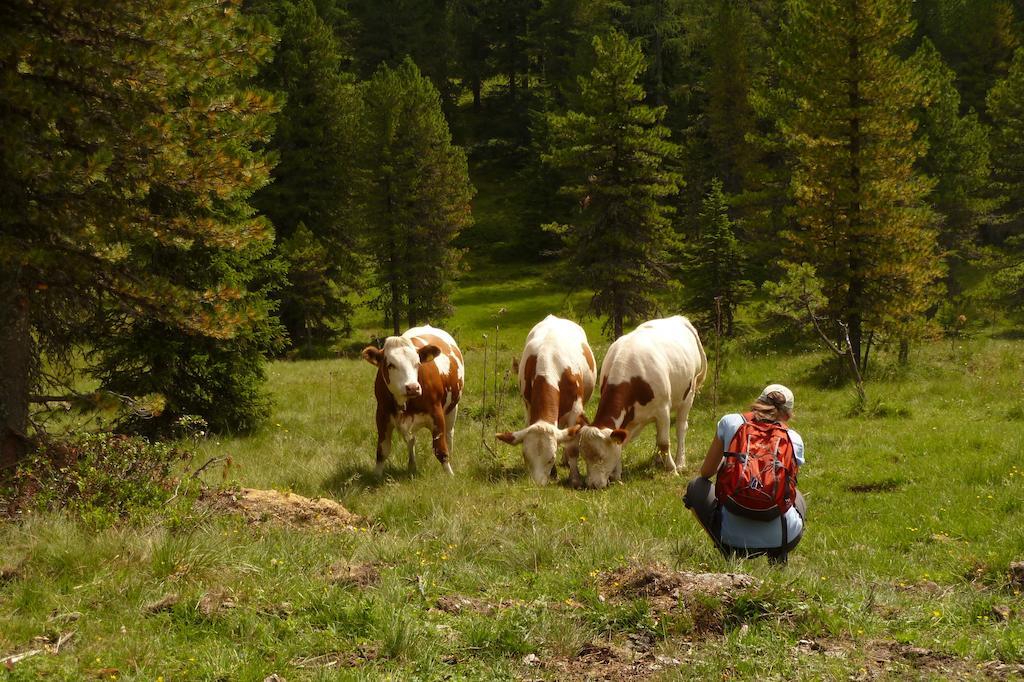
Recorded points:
(259, 506)
(165, 603)
(1015, 575)
(353, 575)
(457, 603)
(603, 661)
(338, 659)
(214, 601)
(876, 659)
(9, 572)
(665, 588)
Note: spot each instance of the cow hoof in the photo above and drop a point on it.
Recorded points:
(379, 471)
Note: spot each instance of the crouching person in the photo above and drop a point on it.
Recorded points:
(753, 508)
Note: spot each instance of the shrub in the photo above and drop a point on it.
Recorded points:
(100, 477)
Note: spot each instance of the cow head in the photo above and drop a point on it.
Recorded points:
(540, 441)
(602, 450)
(399, 363)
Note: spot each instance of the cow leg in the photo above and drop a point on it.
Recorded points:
(664, 422)
(410, 443)
(385, 427)
(682, 426)
(449, 420)
(572, 458)
(440, 441)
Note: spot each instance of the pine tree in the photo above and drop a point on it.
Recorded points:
(615, 154)
(472, 46)
(662, 27)
(392, 30)
(715, 267)
(314, 179)
(560, 39)
(727, 138)
(844, 108)
(416, 195)
(1006, 109)
(976, 38)
(732, 47)
(124, 137)
(957, 158)
(220, 379)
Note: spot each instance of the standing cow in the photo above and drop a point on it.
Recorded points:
(556, 378)
(647, 375)
(420, 375)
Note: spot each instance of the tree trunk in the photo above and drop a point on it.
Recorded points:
(856, 338)
(476, 87)
(904, 358)
(867, 354)
(16, 360)
(855, 293)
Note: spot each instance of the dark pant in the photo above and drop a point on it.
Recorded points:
(700, 497)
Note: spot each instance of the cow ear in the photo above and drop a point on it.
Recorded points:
(511, 438)
(373, 355)
(568, 434)
(428, 352)
(619, 436)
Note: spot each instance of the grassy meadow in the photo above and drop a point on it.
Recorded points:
(915, 513)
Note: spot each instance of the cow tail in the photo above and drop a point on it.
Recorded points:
(702, 373)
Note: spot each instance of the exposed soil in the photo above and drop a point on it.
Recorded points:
(9, 572)
(879, 659)
(658, 581)
(601, 661)
(260, 506)
(1016, 574)
(215, 600)
(354, 575)
(666, 588)
(457, 603)
(165, 603)
(338, 659)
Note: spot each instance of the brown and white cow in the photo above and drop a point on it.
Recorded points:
(556, 378)
(647, 375)
(420, 376)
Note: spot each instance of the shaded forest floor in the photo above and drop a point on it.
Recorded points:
(915, 515)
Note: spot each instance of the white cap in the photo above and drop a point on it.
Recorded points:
(778, 388)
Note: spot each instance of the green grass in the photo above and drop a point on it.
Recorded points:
(914, 515)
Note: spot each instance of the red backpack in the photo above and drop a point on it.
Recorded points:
(758, 478)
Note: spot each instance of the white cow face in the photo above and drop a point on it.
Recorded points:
(540, 441)
(399, 362)
(602, 450)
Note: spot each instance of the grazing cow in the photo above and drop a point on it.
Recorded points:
(556, 378)
(420, 375)
(647, 375)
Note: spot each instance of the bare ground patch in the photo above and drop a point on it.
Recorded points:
(338, 659)
(601, 661)
(354, 575)
(879, 659)
(455, 604)
(666, 587)
(297, 511)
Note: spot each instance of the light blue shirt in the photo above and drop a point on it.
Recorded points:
(741, 532)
